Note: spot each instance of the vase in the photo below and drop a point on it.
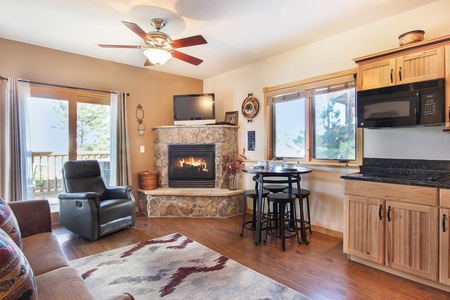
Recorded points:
(233, 181)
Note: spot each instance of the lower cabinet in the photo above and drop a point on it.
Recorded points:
(444, 234)
(366, 228)
(412, 239)
(393, 225)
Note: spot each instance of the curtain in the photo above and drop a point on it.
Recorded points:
(15, 162)
(120, 167)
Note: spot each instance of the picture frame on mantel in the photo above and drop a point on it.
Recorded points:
(232, 117)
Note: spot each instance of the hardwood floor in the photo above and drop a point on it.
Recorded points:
(319, 270)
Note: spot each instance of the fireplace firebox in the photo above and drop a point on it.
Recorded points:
(192, 166)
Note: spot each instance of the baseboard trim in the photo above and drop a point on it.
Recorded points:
(317, 228)
(327, 231)
(400, 273)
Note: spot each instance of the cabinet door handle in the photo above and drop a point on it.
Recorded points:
(443, 222)
(392, 75)
(400, 73)
(389, 214)
(379, 211)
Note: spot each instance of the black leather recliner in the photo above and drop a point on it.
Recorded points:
(89, 208)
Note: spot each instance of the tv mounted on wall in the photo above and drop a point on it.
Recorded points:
(194, 109)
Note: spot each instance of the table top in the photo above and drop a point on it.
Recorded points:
(277, 170)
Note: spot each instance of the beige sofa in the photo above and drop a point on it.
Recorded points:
(55, 279)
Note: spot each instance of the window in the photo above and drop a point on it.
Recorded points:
(313, 121)
(290, 128)
(334, 125)
(65, 124)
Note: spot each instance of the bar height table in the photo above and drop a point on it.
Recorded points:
(291, 175)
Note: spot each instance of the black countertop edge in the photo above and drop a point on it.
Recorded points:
(415, 164)
(433, 184)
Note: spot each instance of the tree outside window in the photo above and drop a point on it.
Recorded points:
(334, 121)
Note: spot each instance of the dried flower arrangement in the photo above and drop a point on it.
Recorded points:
(234, 164)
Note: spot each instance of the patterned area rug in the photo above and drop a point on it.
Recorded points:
(175, 267)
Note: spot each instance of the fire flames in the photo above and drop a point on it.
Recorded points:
(192, 162)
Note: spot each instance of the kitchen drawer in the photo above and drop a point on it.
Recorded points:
(397, 192)
(444, 198)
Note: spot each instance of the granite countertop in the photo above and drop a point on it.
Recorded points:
(427, 173)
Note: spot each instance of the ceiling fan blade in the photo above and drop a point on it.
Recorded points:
(148, 63)
(187, 58)
(121, 46)
(189, 41)
(136, 29)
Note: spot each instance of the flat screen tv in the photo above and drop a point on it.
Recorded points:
(194, 109)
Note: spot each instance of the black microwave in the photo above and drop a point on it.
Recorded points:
(412, 104)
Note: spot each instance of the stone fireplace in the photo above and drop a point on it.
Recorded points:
(191, 200)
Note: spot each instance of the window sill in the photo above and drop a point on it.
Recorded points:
(336, 165)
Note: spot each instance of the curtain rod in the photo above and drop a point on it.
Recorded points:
(62, 86)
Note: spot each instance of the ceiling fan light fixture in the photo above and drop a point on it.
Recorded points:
(157, 56)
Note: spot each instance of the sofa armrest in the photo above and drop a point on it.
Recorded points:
(33, 216)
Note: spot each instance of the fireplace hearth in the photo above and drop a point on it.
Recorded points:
(192, 166)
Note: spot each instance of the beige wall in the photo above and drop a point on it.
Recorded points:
(330, 55)
(152, 89)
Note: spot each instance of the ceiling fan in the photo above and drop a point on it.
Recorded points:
(159, 46)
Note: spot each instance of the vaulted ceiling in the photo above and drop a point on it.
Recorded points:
(238, 32)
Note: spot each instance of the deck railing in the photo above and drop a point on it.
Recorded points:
(47, 171)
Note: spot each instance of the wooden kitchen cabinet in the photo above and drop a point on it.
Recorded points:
(393, 225)
(376, 74)
(412, 67)
(444, 234)
(421, 66)
(366, 237)
(425, 60)
(412, 239)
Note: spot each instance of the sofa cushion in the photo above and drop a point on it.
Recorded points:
(16, 276)
(8, 223)
(62, 283)
(44, 252)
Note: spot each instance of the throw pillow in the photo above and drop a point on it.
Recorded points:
(16, 276)
(8, 223)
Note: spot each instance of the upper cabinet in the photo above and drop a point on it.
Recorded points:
(421, 66)
(413, 67)
(420, 61)
(376, 74)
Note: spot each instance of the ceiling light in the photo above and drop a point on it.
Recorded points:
(157, 56)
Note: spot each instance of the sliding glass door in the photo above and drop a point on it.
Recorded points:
(49, 139)
(65, 124)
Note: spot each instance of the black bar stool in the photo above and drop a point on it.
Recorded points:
(275, 188)
(281, 226)
(304, 195)
(251, 225)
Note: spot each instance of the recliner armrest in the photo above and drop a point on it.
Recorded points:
(118, 192)
(33, 216)
(90, 196)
